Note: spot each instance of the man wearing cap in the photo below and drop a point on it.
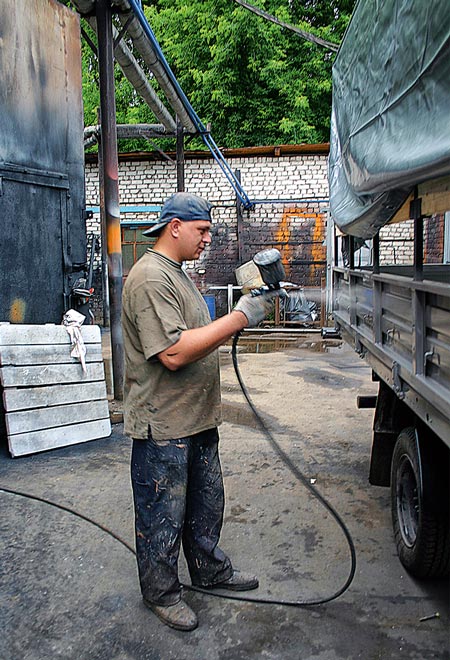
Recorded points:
(172, 410)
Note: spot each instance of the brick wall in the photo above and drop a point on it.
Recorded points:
(295, 228)
(397, 242)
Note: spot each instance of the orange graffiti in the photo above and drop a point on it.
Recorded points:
(282, 237)
(318, 249)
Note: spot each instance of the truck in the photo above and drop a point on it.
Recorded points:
(390, 164)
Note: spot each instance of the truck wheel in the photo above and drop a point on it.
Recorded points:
(419, 499)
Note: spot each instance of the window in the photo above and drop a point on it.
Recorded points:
(134, 245)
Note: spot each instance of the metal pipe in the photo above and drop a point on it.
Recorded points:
(239, 222)
(149, 48)
(138, 79)
(293, 331)
(104, 242)
(180, 156)
(153, 60)
(132, 16)
(125, 131)
(111, 187)
(132, 71)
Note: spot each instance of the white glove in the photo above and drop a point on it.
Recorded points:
(256, 308)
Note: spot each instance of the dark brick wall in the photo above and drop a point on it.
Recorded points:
(434, 239)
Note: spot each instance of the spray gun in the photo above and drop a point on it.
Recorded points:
(264, 273)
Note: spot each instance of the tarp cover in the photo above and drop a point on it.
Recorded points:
(390, 127)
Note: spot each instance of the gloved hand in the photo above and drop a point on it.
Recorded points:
(256, 308)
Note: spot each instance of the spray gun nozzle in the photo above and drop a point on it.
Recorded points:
(264, 273)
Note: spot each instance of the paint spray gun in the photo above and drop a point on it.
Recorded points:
(264, 273)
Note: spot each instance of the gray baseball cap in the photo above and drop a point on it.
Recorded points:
(183, 206)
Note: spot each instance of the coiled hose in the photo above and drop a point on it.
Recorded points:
(300, 477)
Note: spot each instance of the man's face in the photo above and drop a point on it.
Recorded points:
(194, 236)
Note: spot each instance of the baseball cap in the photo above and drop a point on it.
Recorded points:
(184, 206)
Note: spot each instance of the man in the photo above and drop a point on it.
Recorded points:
(172, 410)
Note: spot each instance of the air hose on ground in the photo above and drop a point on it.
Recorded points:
(289, 464)
(300, 477)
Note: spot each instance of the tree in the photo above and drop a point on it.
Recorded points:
(255, 82)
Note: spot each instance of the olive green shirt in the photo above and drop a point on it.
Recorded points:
(159, 302)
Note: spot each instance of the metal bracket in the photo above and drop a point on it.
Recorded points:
(430, 355)
(368, 320)
(397, 381)
(360, 349)
(390, 335)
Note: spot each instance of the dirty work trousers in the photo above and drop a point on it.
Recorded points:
(178, 498)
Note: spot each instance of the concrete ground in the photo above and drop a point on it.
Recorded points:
(69, 590)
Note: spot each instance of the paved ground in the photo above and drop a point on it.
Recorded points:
(69, 590)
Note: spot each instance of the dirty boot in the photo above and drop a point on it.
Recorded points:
(178, 616)
(237, 582)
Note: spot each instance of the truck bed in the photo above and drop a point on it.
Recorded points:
(407, 341)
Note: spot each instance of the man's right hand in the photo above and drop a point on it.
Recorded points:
(256, 308)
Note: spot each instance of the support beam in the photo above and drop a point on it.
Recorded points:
(111, 187)
(239, 222)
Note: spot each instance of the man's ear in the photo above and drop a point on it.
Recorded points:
(175, 227)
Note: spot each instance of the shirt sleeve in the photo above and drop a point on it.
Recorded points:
(159, 317)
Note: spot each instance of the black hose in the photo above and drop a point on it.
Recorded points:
(301, 477)
(295, 471)
(61, 507)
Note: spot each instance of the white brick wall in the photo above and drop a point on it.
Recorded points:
(285, 177)
(263, 177)
(397, 243)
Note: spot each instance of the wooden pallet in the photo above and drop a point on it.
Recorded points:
(48, 401)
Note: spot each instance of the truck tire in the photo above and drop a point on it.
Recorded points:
(420, 510)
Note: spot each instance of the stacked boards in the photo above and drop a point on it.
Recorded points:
(48, 400)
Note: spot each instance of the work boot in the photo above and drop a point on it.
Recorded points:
(178, 616)
(237, 582)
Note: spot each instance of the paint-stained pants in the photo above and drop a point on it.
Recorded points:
(178, 498)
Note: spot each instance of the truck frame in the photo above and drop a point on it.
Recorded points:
(398, 319)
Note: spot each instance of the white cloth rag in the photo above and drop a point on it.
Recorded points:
(73, 320)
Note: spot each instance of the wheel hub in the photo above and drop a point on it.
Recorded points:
(407, 501)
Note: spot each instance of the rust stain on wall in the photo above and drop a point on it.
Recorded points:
(17, 311)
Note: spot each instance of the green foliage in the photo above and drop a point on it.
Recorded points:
(255, 82)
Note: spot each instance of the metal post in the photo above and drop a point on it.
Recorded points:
(377, 291)
(351, 251)
(418, 296)
(180, 156)
(101, 193)
(229, 297)
(111, 187)
(376, 253)
(418, 248)
(239, 221)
